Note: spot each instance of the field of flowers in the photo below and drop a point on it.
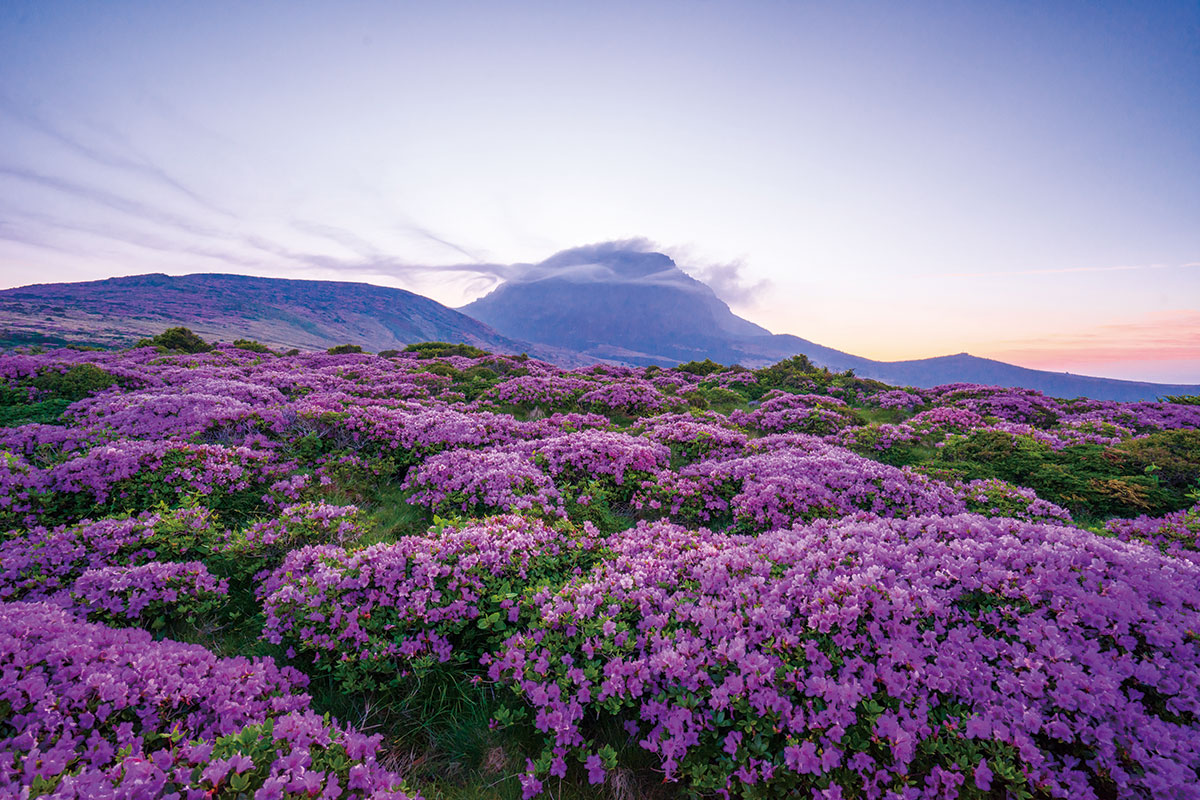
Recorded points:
(446, 573)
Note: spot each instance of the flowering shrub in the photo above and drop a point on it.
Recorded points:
(776, 488)
(93, 711)
(297, 525)
(392, 610)
(891, 444)
(576, 457)
(935, 423)
(551, 391)
(148, 594)
(416, 434)
(938, 656)
(692, 439)
(996, 498)
(1177, 533)
(134, 475)
(178, 411)
(897, 398)
(1008, 405)
(478, 482)
(630, 397)
(801, 413)
(43, 563)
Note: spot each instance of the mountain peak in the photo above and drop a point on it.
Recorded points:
(613, 294)
(627, 258)
(619, 262)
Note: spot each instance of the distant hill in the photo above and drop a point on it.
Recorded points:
(281, 313)
(597, 303)
(610, 302)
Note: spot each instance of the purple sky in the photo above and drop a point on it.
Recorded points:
(1016, 180)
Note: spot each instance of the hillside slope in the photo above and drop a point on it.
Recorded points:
(282, 313)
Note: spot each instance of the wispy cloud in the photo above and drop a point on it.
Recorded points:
(139, 165)
(34, 231)
(110, 200)
(729, 283)
(1061, 270)
(425, 233)
(727, 279)
(339, 236)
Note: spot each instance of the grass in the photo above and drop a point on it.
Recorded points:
(389, 516)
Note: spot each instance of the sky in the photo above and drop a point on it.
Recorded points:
(1017, 180)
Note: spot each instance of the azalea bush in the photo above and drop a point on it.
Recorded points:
(390, 611)
(43, 563)
(938, 656)
(149, 594)
(522, 579)
(482, 482)
(92, 711)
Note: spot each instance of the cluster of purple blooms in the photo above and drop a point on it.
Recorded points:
(1177, 533)
(99, 712)
(787, 617)
(124, 595)
(799, 480)
(476, 481)
(552, 391)
(840, 657)
(800, 413)
(392, 607)
(43, 563)
(297, 524)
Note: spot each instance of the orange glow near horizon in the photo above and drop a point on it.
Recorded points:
(1159, 346)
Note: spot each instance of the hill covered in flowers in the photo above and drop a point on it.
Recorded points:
(447, 573)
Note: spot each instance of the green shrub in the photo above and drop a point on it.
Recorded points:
(178, 340)
(702, 368)
(46, 412)
(1087, 479)
(443, 349)
(343, 349)
(1171, 456)
(78, 382)
(251, 345)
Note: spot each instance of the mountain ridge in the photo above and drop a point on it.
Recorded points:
(581, 306)
(280, 312)
(673, 321)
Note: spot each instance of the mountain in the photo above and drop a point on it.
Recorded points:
(608, 302)
(611, 302)
(277, 312)
(615, 304)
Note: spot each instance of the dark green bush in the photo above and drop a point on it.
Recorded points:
(1171, 456)
(443, 349)
(1087, 479)
(343, 349)
(80, 381)
(705, 367)
(46, 412)
(178, 340)
(789, 373)
(251, 345)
